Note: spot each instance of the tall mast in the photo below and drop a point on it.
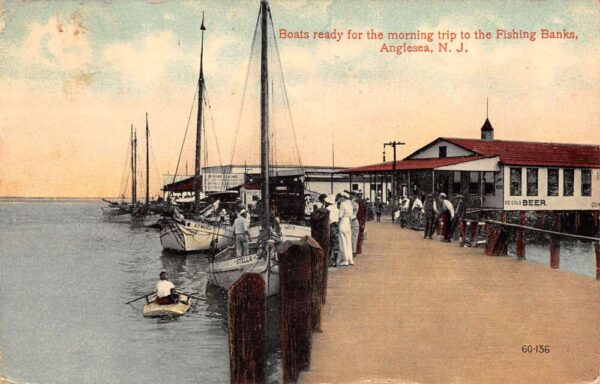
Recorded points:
(199, 124)
(134, 165)
(332, 159)
(132, 169)
(147, 163)
(264, 117)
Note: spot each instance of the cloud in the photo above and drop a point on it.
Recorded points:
(59, 44)
(144, 60)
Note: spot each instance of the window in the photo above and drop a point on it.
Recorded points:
(568, 182)
(515, 181)
(443, 151)
(456, 183)
(532, 181)
(355, 187)
(586, 182)
(552, 182)
(488, 183)
(473, 183)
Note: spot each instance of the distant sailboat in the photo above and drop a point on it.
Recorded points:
(134, 211)
(226, 268)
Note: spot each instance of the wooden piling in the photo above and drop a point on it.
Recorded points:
(295, 307)
(246, 316)
(319, 230)
(557, 221)
(461, 237)
(597, 247)
(541, 219)
(503, 216)
(521, 237)
(496, 243)
(554, 252)
(577, 222)
(596, 223)
(318, 265)
(474, 233)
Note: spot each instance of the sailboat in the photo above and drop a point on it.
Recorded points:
(120, 211)
(226, 267)
(148, 211)
(134, 212)
(182, 234)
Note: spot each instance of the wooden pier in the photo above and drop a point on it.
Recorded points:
(422, 311)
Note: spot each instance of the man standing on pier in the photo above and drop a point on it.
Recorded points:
(378, 209)
(361, 216)
(430, 210)
(334, 216)
(447, 215)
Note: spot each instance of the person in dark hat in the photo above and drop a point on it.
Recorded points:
(165, 291)
(334, 217)
(447, 213)
(430, 211)
(378, 209)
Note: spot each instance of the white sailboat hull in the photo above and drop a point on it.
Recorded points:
(190, 235)
(227, 269)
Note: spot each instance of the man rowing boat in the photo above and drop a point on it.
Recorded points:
(165, 291)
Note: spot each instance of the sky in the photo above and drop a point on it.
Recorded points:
(74, 76)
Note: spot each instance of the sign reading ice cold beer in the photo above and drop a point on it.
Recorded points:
(551, 203)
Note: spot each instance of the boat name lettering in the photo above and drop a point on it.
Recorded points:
(242, 260)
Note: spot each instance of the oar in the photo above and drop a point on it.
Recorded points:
(139, 298)
(192, 295)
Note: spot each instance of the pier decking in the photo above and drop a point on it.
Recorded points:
(422, 311)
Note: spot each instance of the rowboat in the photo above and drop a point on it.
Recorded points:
(151, 309)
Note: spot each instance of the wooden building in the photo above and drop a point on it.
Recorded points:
(500, 174)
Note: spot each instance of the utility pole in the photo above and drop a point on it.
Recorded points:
(392, 144)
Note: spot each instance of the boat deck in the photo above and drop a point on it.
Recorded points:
(422, 311)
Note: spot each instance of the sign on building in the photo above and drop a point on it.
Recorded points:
(217, 182)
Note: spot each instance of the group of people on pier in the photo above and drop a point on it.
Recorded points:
(426, 212)
(347, 220)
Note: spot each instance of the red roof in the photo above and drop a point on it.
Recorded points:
(532, 153)
(414, 164)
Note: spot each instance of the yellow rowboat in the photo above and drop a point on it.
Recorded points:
(151, 309)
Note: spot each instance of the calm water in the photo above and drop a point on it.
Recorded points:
(65, 275)
(575, 256)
